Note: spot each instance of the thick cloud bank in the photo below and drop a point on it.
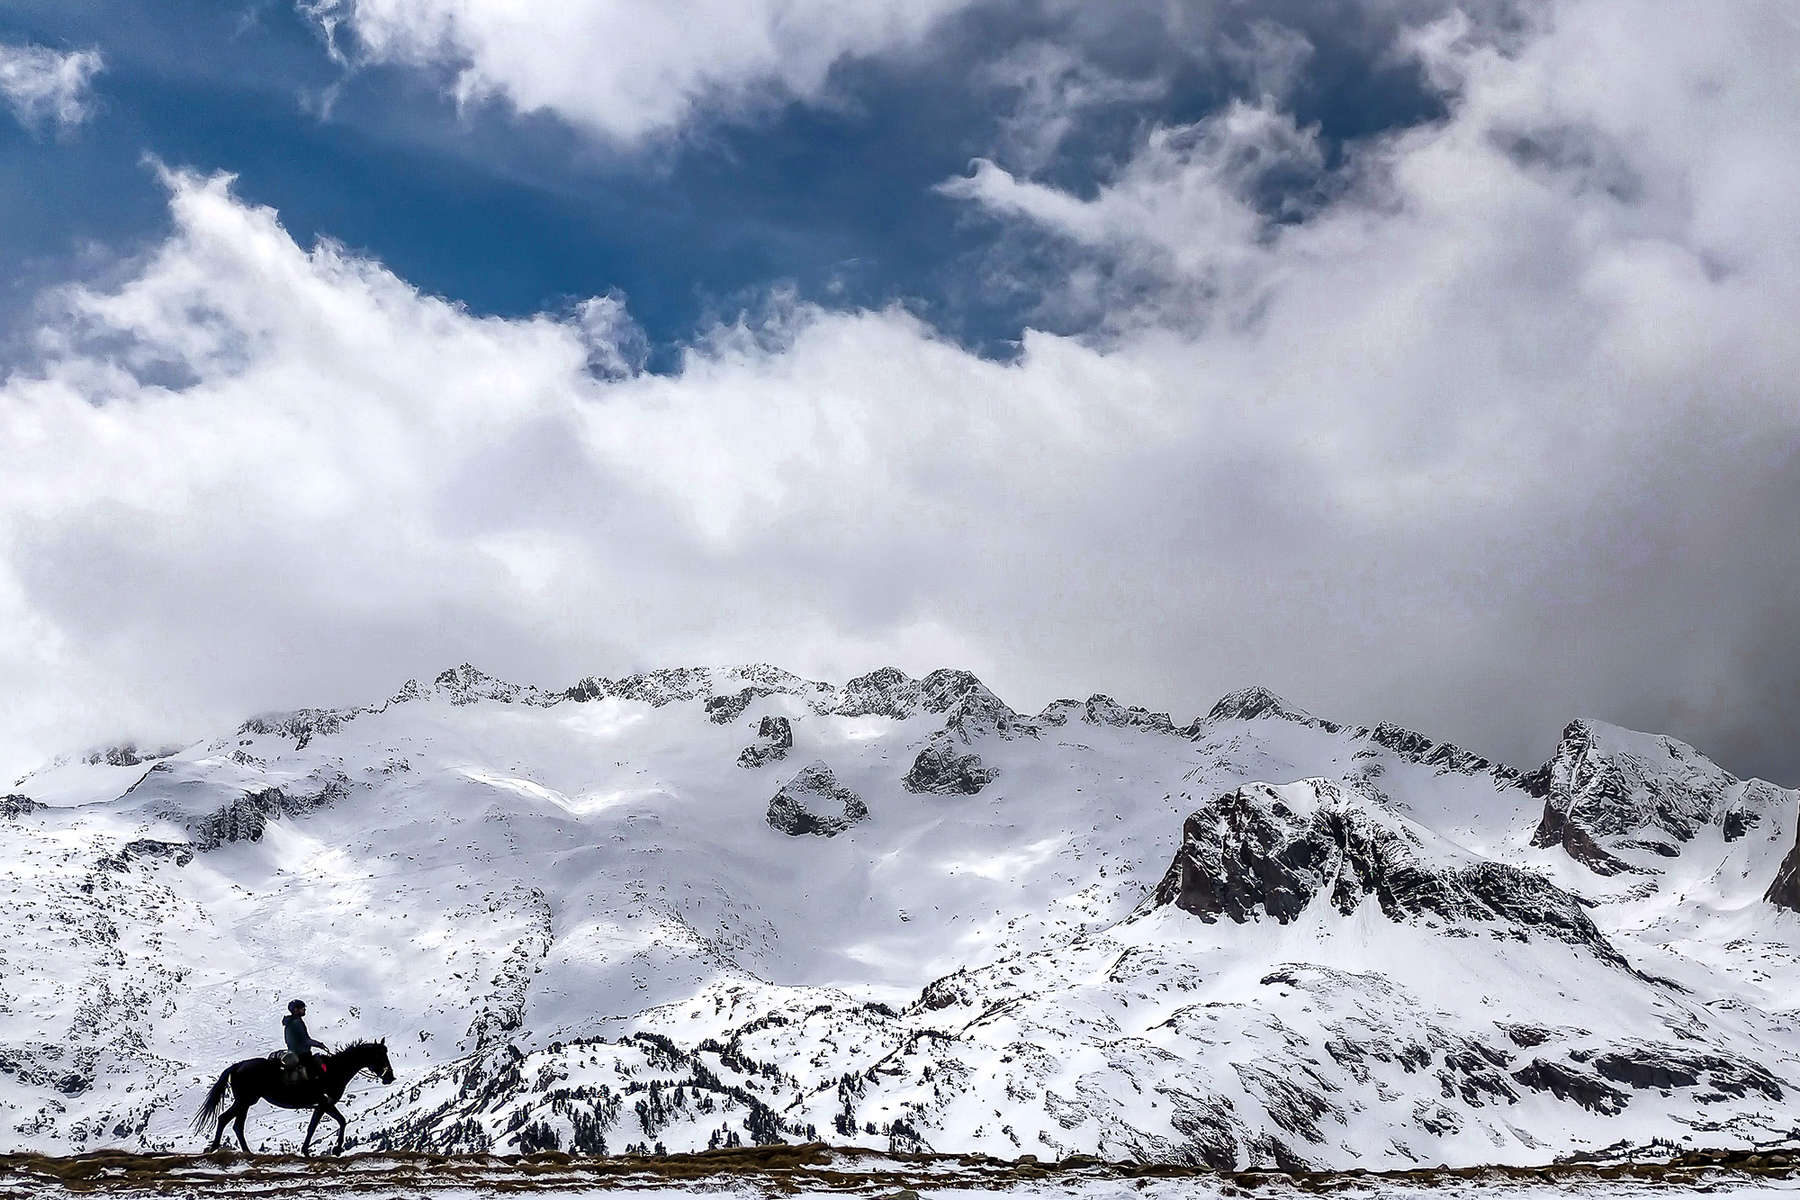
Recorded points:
(628, 69)
(44, 87)
(1493, 425)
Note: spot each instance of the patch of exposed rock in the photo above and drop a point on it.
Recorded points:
(723, 710)
(1572, 1084)
(17, 805)
(466, 684)
(1100, 709)
(303, 724)
(247, 818)
(890, 692)
(813, 802)
(774, 738)
(1784, 891)
(1609, 792)
(179, 853)
(1258, 703)
(1266, 851)
(1660, 1068)
(940, 771)
(127, 754)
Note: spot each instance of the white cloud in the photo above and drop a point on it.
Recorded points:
(44, 87)
(1502, 432)
(630, 70)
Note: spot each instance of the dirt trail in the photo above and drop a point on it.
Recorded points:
(816, 1169)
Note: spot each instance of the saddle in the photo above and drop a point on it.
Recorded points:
(293, 1070)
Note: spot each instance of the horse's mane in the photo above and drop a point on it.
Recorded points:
(352, 1047)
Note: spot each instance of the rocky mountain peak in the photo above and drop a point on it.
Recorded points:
(1263, 851)
(1250, 703)
(1617, 800)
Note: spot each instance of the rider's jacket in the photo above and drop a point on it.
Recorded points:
(293, 1028)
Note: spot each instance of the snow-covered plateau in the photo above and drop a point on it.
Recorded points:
(716, 907)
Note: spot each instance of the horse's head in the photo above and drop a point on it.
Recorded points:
(368, 1056)
(383, 1069)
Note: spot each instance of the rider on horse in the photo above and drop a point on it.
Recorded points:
(299, 1042)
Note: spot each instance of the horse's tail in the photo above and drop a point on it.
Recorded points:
(209, 1111)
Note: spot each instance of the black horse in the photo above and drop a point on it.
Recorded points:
(264, 1079)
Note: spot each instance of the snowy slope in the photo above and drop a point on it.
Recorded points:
(701, 906)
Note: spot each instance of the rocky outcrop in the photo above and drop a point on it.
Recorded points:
(1556, 829)
(890, 692)
(1263, 851)
(303, 724)
(466, 684)
(1610, 792)
(1259, 703)
(127, 754)
(723, 710)
(1784, 891)
(247, 818)
(179, 853)
(1660, 1068)
(1572, 1084)
(17, 805)
(1100, 709)
(813, 802)
(774, 738)
(1417, 748)
(940, 771)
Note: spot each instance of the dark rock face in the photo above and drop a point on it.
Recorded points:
(179, 853)
(246, 818)
(1295, 1097)
(813, 802)
(1555, 829)
(1738, 822)
(1641, 1065)
(17, 805)
(1784, 891)
(890, 692)
(1569, 1083)
(302, 724)
(1253, 703)
(467, 684)
(1609, 790)
(1260, 851)
(774, 738)
(940, 771)
(127, 754)
(1104, 710)
(979, 713)
(723, 710)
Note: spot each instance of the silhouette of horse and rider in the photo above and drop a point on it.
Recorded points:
(295, 1078)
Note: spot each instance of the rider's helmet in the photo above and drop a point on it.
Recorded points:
(296, 1006)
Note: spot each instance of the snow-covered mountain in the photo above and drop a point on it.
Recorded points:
(698, 907)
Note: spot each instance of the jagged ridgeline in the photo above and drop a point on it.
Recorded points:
(713, 907)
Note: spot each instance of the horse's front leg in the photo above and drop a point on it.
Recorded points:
(339, 1118)
(306, 1145)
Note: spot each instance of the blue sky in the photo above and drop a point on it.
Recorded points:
(514, 215)
(1425, 360)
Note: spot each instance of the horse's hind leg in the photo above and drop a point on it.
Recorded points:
(225, 1119)
(306, 1144)
(238, 1126)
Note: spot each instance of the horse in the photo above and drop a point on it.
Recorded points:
(265, 1079)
